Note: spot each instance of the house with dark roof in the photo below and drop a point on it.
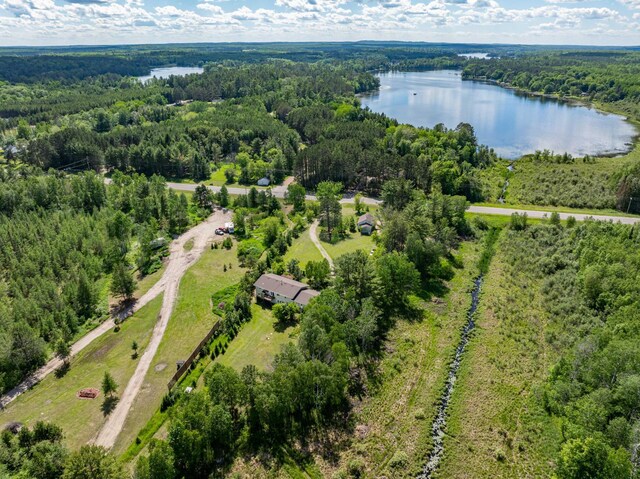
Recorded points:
(274, 289)
(366, 223)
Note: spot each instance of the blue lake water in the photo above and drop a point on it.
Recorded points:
(166, 72)
(511, 123)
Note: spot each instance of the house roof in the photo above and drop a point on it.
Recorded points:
(274, 283)
(366, 218)
(306, 295)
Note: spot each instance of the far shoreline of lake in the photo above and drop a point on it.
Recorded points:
(168, 70)
(609, 134)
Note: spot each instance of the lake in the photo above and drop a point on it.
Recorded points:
(510, 122)
(166, 72)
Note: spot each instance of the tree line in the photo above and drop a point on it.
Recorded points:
(62, 237)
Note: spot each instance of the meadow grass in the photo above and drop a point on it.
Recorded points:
(54, 399)
(497, 426)
(575, 185)
(393, 420)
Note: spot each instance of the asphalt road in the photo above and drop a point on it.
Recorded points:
(279, 192)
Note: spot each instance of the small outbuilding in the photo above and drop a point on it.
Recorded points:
(264, 181)
(366, 224)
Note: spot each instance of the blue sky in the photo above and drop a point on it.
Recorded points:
(61, 22)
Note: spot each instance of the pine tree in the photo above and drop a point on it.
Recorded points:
(122, 283)
(109, 385)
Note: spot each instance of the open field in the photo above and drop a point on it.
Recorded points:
(575, 185)
(258, 341)
(303, 250)
(497, 426)
(54, 399)
(191, 320)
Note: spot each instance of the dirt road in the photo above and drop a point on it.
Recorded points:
(156, 289)
(82, 343)
(179, 261)
(313, 234)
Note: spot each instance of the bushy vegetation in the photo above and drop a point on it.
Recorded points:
(589, 277)
(575, 184)
(39, 452)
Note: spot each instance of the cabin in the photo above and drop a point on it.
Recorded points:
(366, 224)
(276, 289)
(264, 181)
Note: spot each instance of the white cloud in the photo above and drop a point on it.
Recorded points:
(210, 7)
(129, 21)
(633, 4)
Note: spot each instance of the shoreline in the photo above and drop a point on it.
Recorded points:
(577, 102)
(602, 108)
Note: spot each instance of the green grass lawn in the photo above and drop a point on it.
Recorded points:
(303, 250)
(258, 341)
(192, 318)
(54, 399)
(355, 241)
(217, 177)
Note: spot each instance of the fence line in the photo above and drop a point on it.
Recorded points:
(187, 364)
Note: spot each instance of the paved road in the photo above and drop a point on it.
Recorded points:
(180, 261)
(490, 210)
(277, 191)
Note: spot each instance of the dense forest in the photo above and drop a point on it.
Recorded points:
(608, 77)
(270, 111)
(60, 237)
(589, 285)
(69, 64)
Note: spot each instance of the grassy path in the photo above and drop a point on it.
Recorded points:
(54, 399)
(313, 235)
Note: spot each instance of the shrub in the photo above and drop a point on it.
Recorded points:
(399, 460)
(518, 221)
